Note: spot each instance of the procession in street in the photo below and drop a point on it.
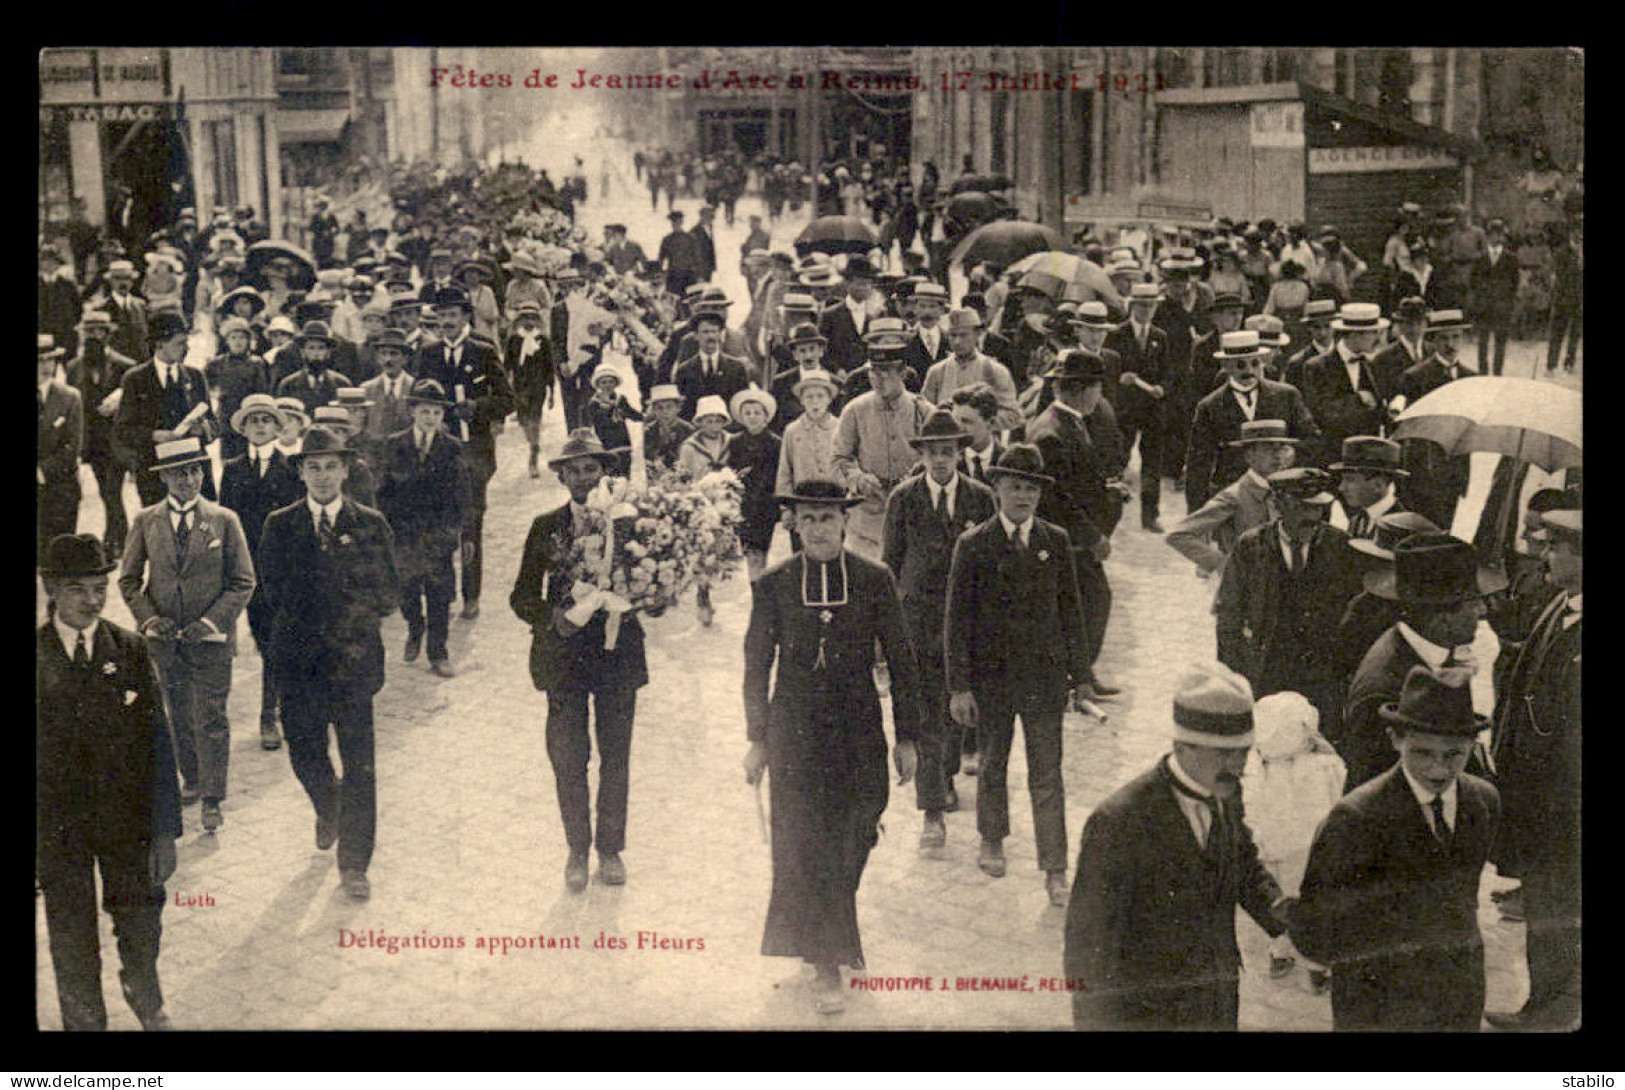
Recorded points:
(614, 603)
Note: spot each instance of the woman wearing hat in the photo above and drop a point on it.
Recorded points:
(234, 374)
(753, 454)
(475, 276)
(607, 412)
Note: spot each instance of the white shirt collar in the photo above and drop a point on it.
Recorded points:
(70, 636)
(1573, 604)
(332, 509)
(1384, 504)
(1067, 409)
(933, 488)
(1345, 353)
(180, 509)
(1424, 798)
(1025, 529)
(262, 452)
(1428, 651)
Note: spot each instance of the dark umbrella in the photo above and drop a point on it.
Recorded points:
(1004, 242)
(980, 183)
(971, 210)
(263, 253)
(836, 235)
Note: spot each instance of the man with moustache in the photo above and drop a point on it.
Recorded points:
(710, 371)
(1437, 481)
(1345, 392)
(967, 365)
(97, 372)
(1207, 535)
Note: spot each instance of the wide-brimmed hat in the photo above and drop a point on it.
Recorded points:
(1270, 329)
(1180, 259)
(930, 289)
(48, 348)
(525, 263)
(477, 265)
(831, 493)
(1393, 528)
(712, 297)
(1242, 344)
(1412, 308)
(1264, 431)
(752, 394)
(1446, 321)
(1434, 570)
(1370, 454)
(666, 391)
(1305, 483)
(334, 416)
(235, 324)
(886, 333)
(121, 267)
(1079, 365)
(797, 302)
(1144, 293)
(316, 331)
(281, 324)
(1095, 315)
(1435, 702)
(805, 333)
(164, 324)
(1213, 706)
(964, 319)
(1564, 522)
(1359, 318)
(1320, 310)
(255, 403)
(817, 377)
(292, 406)
(175, 453)
(710, 405)
(351, 397)
(940, 426)
(605, 370)
(70, 555)
(321, 439)
(429, 392)
(1023, 460)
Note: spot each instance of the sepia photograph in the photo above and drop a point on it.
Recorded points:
(979, 538)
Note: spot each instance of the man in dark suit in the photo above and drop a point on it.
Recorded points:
(1016, 646)
(925, 515)
(928, 340)
(572, 659)
(1215, 461)
(976, 409)
(1318, 315)
(684, 341)
(58, 301)
(1437, 481)
(1344, 392)
(1408, 347)
(1568, 296)
(105, 795)
(470, 372)
(1082, 500)
(1163, 864)
(328, 568)
(163, 399)
(60, 443)
(845, 321)
(253, 484)
(1493, 291)
(1283, 592)
(1390, 896)
(709, 371)
(424, 493)
(1366, 485)
(1537, 763)
(128, 310)
(96, 372)
(315, 383)
(704, 235)
(1440, 590)
(1142, 389)
(682, 256)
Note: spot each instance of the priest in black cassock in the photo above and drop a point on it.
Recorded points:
(819, 615)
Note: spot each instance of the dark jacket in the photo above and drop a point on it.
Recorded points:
(146, 407)
(425, 499)
(1152, 364)
(1210, 463)
(312, 390)
(732, 375)
(253, 497)
(918, 547)
(845, 350)
(61, 438)
(1078, 501)
(96, 372)
(1394, 911)
(484, 383)
(1363, 740)
(1494, 287)
(1336, 406)
(59, 311)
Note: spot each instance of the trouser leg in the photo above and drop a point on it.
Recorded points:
(996, 723)
(136, 906)
(613, 711)
(1097, 600)
(175, 672)
(412, 605)
(1151, 465)
(475, 532)
(110, 483)
(259, 623)
(568, 750)
(438, 591)
(938, 734)
(211, 687)
(304, 725)
(68, 880)
(1041, 731)
(358, 793)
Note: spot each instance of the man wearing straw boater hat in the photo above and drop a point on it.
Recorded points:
(1163, 864)
(1215, 461)
(924, 517)
(1366, 478)
(1438, 482)
(1017, 645)
(1206, 535)
(1389, 898)
(61, 440)
(97, 372)
(1440, 590)
(572, 659)
(128, 310)
(1344, 390)
(1143, 351)
(105, 793)
(328, 568)
(163, 399)
(820, 616)
(187, 575)
(424, 492)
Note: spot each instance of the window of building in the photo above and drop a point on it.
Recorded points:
(1176, 67)
(1081, 105)
(1228, 68)
(222, 139)
(294, 62)
(1281, 65)
(55, 169)
(998, 121)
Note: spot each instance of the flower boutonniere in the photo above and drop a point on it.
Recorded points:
(109, 669)
(1043, 555)
(346, 539)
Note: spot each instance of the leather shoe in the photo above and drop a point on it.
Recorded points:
(442, 668)
(1055, 886)
(270, 738)
(156, 1022)
(414, 646)
(1151, 526)
(611, 871)
(190, 794)
(991, 858)
(327, 833)
(934, 833)
(212, 818)
(575, 873)
(1101, 688)
(355, 883)
(470, 610)
(950, 800)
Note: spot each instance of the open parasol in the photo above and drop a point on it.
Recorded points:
(1064, 276)
(836, 235)
(263, 253)
(1004, 242)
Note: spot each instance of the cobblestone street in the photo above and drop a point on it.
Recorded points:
(470, 846)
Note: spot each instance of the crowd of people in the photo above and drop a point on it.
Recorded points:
(950, 472)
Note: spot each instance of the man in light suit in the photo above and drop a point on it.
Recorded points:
(967, 365)
(1390, 895)
(61, 439)
(925, 515)
(163, 399)
(389, 390)
(1206, 535)
(187, 575)
(1163, 864)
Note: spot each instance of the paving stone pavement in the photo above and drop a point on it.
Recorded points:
(470, 846)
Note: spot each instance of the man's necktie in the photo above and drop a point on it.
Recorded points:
(942, 506)
(324, 530)
(260, 464)
(1359, 523)
(183, 534)
(1441, 831)
(81, 654)
(1017, 544)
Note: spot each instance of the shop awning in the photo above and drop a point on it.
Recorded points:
(311, 126)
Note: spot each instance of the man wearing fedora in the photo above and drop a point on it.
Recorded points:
(820, 616)
(1389, 899)
(187, 575)
(1437, 481)
(1207, 535)
(424, 492)
(1440, 589)
(846, 321)
(925, 515)
(105, 793)
(806, 347)
(710, 371)
(314, 383)
(1318, 315)
(1216, 459)
(620, 253)
(255, 483)
(97, 372)
(60, 443)
(872, 451)
(128, 310)
(163, 399)
(775, 334)
(1536, 756)
(1343, 389)
(1366, 478)
(682, 256)
(328, 568)
(1408, 347)
(1017, 645)
(361, 480)
(388, 392)
(470, 371)
(1144, 352)
(1284, 588)
(1163, 864)
(1369, 615)
(571, 659)
(966, 365)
